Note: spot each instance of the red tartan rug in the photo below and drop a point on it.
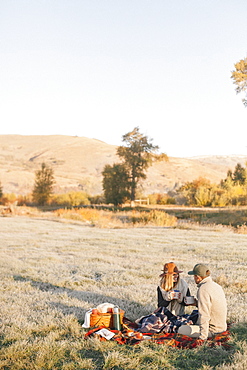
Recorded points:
(130, 336)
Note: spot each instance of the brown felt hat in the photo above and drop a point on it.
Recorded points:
(170, 269)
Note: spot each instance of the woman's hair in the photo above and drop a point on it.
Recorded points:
(167, 282)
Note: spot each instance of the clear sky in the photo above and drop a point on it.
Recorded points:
(99, 68)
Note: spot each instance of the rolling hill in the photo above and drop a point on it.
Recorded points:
(78, 162)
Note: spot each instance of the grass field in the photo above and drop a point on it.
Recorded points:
(52, 271)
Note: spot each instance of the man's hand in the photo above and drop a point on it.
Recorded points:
(195, 303)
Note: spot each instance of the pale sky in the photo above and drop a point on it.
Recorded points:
(99, 68)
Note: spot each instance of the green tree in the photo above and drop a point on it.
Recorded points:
(228, 182)
(229, 175)
(43, 186)
(239, 175)
(137, 154)
(239, 76)
(115, 184)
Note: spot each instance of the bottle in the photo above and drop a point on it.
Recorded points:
(116, 319)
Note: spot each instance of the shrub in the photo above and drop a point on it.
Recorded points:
(154, 217)
(97, 199)
(152, 198)
(161, 199)
(191, 191)
(71, 199)
(203, 196)
(8, 198)
(161, 218)
(24, 200)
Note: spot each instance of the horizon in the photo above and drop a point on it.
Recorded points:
(172, 156)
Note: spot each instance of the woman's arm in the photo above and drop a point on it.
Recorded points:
(161, 301)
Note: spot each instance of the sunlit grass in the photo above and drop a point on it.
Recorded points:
(53, 271)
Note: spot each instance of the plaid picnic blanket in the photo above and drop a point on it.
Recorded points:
(162, 320)
(170, 339)
(131, 334)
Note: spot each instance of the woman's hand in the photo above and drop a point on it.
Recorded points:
(175, 295)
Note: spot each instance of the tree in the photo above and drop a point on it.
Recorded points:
(239, 175)
(239, 76)
(1, 190)
(227, 183)
(196, 192)
(115, 184)
(43, 187)
(204, 196)
(137, 155)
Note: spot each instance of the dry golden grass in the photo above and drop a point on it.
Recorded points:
(53, 270)
(110, 219)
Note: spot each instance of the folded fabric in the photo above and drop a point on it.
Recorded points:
(105, 307)
(86, 323)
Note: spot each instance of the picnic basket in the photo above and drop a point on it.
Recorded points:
(104, 319)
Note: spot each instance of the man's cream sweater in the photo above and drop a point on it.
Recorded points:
(212, 308)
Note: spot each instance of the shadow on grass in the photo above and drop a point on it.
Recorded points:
(239, 331)
(197, 358)
(182, 359)
(92, 298)
(95, 355)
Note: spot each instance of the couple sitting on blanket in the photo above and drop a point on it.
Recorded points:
(211, 301)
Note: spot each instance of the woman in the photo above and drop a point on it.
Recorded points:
(172, 290)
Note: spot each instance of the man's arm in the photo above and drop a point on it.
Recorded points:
(204, 309)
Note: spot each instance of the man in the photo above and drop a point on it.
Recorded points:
(212, 308)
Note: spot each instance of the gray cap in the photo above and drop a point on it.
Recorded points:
(200, 269)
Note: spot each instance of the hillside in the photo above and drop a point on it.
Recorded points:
(79, 161)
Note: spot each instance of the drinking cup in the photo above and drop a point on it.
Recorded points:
(176, 294)
(189, 300)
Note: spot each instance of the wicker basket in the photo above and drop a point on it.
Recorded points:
(104, 319)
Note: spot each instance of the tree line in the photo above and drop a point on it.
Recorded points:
(231, 191)
(121, 182)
